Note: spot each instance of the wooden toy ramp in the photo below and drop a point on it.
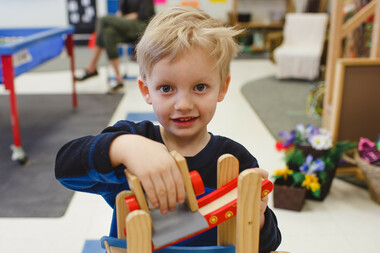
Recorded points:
(234, 207)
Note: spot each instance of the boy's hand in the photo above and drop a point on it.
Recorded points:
(264, 201)
(156, 169)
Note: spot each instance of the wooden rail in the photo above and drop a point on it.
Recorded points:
(338, 31)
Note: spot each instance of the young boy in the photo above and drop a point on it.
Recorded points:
(184, 58)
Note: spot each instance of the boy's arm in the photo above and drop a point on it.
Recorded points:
(90, 164)
(156, 169)
(83, 165)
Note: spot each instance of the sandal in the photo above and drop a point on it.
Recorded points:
(116, 88)
(87, 75)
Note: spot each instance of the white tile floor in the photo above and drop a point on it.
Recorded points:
(347, 221)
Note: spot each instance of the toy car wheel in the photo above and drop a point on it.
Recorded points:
(132, 203)
(197, 183)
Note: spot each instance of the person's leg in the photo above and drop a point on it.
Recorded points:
(115, 66)
(119, 30)
(101, 25)
(110, 39)
(92, 66)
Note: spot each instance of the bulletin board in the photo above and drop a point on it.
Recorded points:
(82, 15)
(356, 101)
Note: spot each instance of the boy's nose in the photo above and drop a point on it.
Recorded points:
(183, 103)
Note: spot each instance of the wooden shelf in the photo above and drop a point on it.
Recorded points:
(257, 27)
(260, 25)
(289, 8)
(257, 49)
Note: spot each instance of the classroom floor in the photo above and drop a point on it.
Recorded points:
(347, 221)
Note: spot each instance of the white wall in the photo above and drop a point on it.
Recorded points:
(46, 13)
(38, 13)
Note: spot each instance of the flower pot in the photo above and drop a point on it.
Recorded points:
(290, 198)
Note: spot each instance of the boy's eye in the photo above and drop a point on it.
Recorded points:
(200, 87)
(165, 88)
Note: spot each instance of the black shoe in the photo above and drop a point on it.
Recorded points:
(116, 88)
(87, 75)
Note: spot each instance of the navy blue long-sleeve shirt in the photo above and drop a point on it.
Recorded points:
(84, 165)
(143, 8)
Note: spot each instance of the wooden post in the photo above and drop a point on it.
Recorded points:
(333, 53)
(135, 186)
(248, 212)
(121, 212)
(235, 12)
(139, 232)
(191, 199)
(227, 170)
(354, 22)
(323, 6)
(375, 47)
(289, 6)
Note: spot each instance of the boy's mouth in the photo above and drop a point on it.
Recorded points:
(184, 121)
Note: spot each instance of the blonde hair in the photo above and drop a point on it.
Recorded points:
(180, 28)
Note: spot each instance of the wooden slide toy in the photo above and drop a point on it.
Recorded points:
(234, 207)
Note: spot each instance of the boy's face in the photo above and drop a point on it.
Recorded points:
(184, 93)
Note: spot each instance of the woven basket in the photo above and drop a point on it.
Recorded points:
(371, 173)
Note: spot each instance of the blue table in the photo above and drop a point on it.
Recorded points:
(22, 50)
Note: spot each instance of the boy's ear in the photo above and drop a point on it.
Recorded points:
(144, 91)
(224, 90)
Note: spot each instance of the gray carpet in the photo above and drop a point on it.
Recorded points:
(47, 122)
(280, 104)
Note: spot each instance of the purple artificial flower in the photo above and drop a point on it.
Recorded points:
(310, 131)
(305, 166)
(316, 166)
(311, 167)
(287, 138)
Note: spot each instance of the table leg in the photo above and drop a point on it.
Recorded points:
(70, 51)
(8, 79)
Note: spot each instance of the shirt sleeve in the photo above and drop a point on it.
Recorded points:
(270, 235)
(83, 164)
(145, 9)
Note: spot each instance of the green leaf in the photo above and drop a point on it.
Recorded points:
(298, 178)
(317, 193)
(295, 157)
(323, 176)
